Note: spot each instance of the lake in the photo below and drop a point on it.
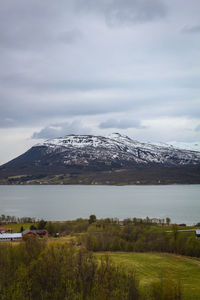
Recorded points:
(58, 202)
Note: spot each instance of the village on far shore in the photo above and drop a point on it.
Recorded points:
(30, 228)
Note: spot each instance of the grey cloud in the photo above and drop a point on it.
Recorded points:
(40, 109)
(70, 36)
(32, 25)
(36, 38)
(52, 84)
(125, 12)
(197, 128)
(7, 123)
(20, 80)
(121, 124)
(61, 129)
(191, 29)
(36, 108)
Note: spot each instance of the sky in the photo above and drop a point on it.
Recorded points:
(97, 67)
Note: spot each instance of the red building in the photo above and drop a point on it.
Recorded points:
(35, 233)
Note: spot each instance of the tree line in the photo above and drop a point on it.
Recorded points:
(82, 225)
(16, 220)
(139, 235)
(140, 238)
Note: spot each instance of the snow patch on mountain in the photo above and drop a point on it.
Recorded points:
(180, 145)
(187, 146)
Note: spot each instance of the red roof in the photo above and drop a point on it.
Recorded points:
(30, 233)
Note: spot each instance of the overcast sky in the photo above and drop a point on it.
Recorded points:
(96, 67)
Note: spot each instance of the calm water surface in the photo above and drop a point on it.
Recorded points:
(180, 202)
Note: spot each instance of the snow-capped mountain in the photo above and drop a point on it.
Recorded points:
(89, 159)
(116, 148)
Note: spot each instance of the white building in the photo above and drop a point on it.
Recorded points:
(6, 237)
(197, 233)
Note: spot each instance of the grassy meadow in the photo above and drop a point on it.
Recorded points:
(151, 267)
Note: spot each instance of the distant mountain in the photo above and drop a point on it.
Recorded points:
(116, 159)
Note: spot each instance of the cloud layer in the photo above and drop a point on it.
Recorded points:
(126, 12)
(121, 124)
(93, 66)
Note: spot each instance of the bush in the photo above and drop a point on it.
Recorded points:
(165, 289)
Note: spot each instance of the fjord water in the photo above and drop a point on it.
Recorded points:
(57, 202)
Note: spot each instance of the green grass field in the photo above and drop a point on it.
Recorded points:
(17, 227)
(152, 266)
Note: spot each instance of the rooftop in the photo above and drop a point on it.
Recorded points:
(10, 235)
